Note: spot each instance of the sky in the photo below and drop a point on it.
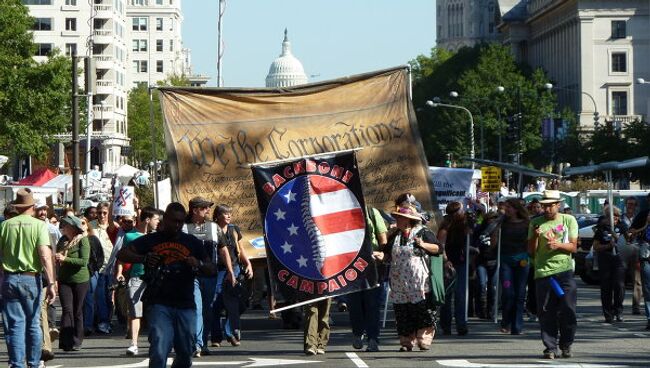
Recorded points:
(332, 38)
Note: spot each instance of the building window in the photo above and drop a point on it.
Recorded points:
(70, 48)
(159, 2)
(139, 66)
(71, 2)
(618, 29)
(37, 2)
(619, 62)
(159, 24)
(70, 24)
(43, 49)
(159, 66)
(139, 2)
(171, 45)
(42, 24)
(159, 45)
(140, 23)
(619, 103)
(139, 45)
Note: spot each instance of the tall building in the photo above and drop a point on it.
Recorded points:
(286, 70)
(155, 43)
(91, 28)
(461, 23)
(594, 51)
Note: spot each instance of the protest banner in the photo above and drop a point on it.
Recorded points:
(123, 201)
(313, 215)
(213, 135)
(451, 184)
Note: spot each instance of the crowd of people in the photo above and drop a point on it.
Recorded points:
(185, 272)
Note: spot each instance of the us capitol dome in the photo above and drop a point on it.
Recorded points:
(286, 70)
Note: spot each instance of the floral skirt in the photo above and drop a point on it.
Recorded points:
(411, 317)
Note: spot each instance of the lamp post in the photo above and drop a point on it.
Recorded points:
(454, 94)
(550, 86)
(471, 123)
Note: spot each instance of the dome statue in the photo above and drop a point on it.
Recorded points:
(286, 70)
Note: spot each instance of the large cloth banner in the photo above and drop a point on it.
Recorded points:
(452, 184)
(212, 137)
(313, 215)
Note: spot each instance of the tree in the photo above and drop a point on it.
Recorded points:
(34, 96)
(139, 126)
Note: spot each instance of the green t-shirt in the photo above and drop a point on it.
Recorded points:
(550, 262)
(137, 269)
(20, 238)
(376, 226)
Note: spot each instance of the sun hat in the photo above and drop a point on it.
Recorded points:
(408, 211)
(24, 198)
(551, 196)
(73, 221)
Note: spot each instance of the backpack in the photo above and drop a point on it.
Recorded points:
(96, 259)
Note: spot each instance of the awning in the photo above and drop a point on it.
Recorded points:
(38, 177)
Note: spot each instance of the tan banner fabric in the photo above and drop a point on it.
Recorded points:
(212, 135)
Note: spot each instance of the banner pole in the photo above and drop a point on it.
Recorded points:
(153, 148)
(302, 157)
(467, 240)
(498, 270)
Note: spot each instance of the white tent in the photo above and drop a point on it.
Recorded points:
(125, 173)
(60, 182)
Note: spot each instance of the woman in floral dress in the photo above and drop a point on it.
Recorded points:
(408, 250)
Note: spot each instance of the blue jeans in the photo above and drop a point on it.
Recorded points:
(171, 327)
(198, 338)
(21, 311)
(208, 287)
(645, 282)
(89, 303)
(458, 296)
(486, 275)
(225, 301)
(514, 278)
(364, 310)
(103, 298)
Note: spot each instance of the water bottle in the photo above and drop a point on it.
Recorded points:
(556, 287)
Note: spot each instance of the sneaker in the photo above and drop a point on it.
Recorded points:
(205, 351)
(311, 351)
(104, 328)
(215, 344)
(619, 318)
(233, 341)
(54, 333)
(373, 346)
(132, 350)
(320, 351)
(357, 342)
(566, 353)
(532, 318)
(549, 354)
(197, 353)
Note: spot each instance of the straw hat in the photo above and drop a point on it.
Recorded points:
(407, 211)
(24, 198)
(551, 196)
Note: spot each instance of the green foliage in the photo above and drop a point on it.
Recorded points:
(139, 126)
(34, 97)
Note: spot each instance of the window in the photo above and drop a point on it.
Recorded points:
(70, 48)
(159, 2)
(159, 66)
(618, 29)
(37, 2)
(42, 24)
(43, 49)
(619, 62)
(139, 45)
(139, 2)
(159, 24)
(619, 103)
(139, 66)
(140, 23)
(70, 24)
(171, 45)
(159, 45)
(71, 2)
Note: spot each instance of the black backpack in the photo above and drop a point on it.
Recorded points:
(96, 259)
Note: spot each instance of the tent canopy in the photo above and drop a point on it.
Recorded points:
(59, 182)
(38, 177)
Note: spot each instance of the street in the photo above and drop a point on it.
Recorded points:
(265, 344)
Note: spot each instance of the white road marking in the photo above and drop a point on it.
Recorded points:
(462, 363)
(253, 362)
(640, 335)
(623, 329)
(356, 360)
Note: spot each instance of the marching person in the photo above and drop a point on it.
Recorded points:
(26, 253)
(552, 239)
(172, 260)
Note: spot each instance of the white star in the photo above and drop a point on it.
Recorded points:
(302, 261)
(293, 229)
(286, 247)
(279, 214)
(291, 196)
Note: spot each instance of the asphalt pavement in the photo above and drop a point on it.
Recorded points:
(265, 344)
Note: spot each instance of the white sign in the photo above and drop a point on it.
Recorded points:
(451, 184)
(123, 202)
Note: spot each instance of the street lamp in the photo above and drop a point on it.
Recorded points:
(455, 94)
(471, 122)
(550, 86)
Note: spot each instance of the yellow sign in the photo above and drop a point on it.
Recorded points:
(490, 179)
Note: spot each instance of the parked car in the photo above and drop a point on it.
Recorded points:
(584, 265)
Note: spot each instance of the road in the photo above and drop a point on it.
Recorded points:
(264, 343)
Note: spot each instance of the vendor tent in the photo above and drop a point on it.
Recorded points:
(38, 177)
(60, 182)
(125, 173)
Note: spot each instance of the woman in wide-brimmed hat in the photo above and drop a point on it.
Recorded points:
(407, 250)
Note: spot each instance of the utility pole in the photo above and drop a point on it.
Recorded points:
(75, 135)
(222, 9)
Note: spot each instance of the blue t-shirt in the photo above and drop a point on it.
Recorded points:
(174, 284)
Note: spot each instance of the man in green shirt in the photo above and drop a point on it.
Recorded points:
(552, 238)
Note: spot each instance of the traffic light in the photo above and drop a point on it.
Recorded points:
(448, 160)
(596, 117)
